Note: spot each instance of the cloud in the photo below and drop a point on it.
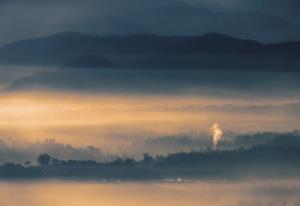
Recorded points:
(165, 17)
(275, 7)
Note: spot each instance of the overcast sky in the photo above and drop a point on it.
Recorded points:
(264, 20)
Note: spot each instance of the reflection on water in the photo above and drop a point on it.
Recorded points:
(281, 193)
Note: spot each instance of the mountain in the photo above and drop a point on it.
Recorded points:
(215, 43)
(224, 52)
(91, 61)
(63, 47)
(210, 50)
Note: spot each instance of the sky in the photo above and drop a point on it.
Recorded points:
(264, 20)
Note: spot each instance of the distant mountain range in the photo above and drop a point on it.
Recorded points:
(148, 50)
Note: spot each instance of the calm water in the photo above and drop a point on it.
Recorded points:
(266, 193)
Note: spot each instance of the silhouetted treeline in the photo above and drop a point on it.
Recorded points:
(257, 161)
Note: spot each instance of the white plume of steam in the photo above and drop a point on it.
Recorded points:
(217, 134)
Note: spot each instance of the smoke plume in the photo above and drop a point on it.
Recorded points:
(217, 134)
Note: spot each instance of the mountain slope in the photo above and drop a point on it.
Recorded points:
(148, 50)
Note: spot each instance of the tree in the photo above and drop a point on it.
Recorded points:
(55, 161)
(27, 163)
(44, 159)
(148, 159)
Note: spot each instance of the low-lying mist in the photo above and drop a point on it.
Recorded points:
(131, 123)
(202, 193)
(112, 120)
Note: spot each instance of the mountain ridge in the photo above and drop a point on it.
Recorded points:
(211, 50)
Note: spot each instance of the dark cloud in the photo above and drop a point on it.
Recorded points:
(19, 19)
